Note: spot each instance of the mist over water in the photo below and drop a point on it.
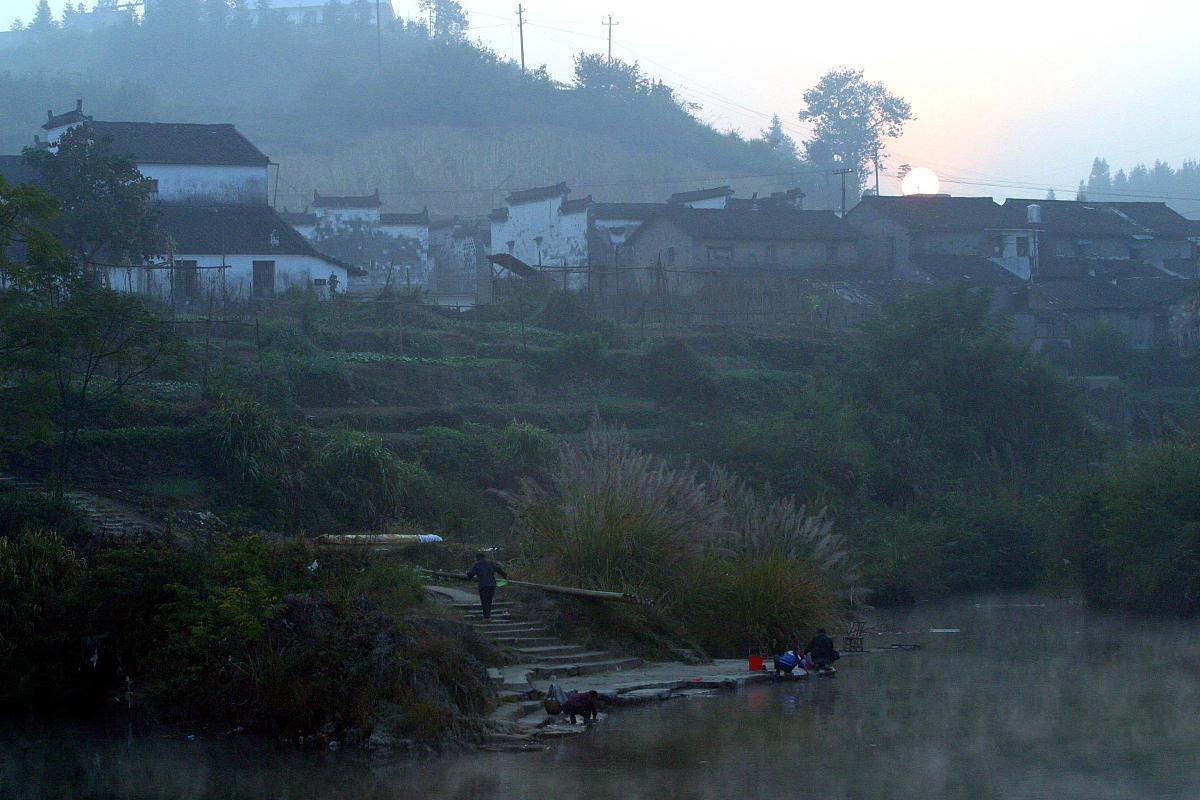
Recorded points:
(1032, 699)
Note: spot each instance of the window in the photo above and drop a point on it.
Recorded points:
(670, 256)
(1023, 247)
(264, 279)
(720, 255)
(320, 281)
(153, 184)
(186, 280)
(996, 244)
(772, 254)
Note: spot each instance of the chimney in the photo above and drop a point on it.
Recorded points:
(49, 115)
(79, 106)
(1033, 214)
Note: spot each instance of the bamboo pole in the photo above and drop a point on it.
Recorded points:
(571, 591)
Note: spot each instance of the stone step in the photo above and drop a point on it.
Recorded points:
(502, 628)
(475, 606)
(543, 671)
(580, 656)
(541, 652)
(521, 640)
(497, 614)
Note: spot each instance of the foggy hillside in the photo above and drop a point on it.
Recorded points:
(411, 111)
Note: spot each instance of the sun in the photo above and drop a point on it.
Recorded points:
(921, 180)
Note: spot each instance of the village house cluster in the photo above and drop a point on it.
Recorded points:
(1048, 264)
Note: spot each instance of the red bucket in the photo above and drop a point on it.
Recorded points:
(756, 663)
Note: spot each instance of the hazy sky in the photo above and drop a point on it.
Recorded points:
(1019, 92)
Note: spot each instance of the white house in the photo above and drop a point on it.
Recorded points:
(335, 211)
(415, 228)
(222, 238)
(543, 228)
(231, 252)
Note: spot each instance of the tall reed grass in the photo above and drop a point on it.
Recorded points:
(741, 568)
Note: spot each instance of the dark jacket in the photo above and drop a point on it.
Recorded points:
(821, 649)
(485, 572)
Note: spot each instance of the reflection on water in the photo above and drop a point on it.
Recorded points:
(1027, 701)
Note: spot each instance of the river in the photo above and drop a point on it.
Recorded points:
(1030, 699)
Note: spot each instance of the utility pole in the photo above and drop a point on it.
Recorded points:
(521, 29)
(609, 25)
(843, 173)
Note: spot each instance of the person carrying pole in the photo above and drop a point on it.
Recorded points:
(484, 571)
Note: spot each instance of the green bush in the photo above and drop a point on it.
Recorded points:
(362, 484)
(40, 620)
(1133, 535)
(526, 449)
(285, 335)
(248, 447)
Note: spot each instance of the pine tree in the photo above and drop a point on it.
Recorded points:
(777, 140)
(43, 20)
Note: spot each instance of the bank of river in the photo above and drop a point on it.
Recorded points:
(1031, 699)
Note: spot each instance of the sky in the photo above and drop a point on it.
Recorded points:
(1010, 98)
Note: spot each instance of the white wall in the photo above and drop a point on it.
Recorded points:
(336, 217)
(235, 282)
(711, 202)
(420, 233)
(214, 184)
(564, 236)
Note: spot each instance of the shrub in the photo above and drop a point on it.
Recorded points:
(247, 445)
(526, 449)
(40, 620)
(285, 335)
(362, 484)
(1134, 534)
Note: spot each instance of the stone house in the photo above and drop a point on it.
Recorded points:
(915, 238)
(685, 247)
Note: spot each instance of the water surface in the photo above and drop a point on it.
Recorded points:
(1031, 699)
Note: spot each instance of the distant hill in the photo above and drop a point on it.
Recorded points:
(437, 122)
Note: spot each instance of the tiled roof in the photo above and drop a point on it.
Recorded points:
(1095, 294)
(633, 211)
(769, 225)
(1078, 218)
(179, 143)
(1051, 268)
(346, 201)
(1159, 219)
(700, 194)
(419, 218)
(58, 120)
(975, 270)
(538, 193)
(498, 215)
(939, 213)
(575, 206)
(234, 230)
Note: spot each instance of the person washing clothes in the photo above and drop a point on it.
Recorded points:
(786, 663)
(820, 650)
(485, 573)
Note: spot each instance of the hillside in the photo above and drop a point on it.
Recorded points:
(437, 122)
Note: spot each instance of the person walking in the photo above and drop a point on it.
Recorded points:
(485, 573)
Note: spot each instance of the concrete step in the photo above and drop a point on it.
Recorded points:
(496, 614)
(475, 606)
(543, 671)
(541, 652)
